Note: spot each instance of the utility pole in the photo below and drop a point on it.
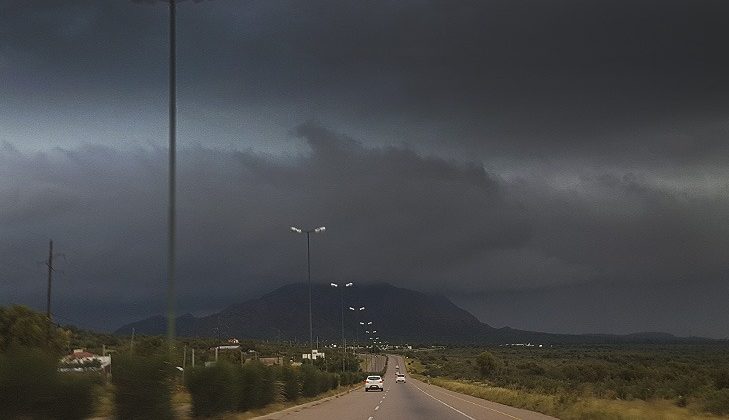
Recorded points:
(50, 279)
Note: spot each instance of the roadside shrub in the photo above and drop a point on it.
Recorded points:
(333, 381)
(142, 387)
(291, 386)
(721, 378)
(75, 395)
(718, 402)
(267, 394)
(32, 387)
(345, 378)
(531, 368)
(310, 380)
(248, 387)
(486, 363)
(213, 389)
(256, 386)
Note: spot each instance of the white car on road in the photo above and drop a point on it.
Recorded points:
(374, 382)
(400, 378)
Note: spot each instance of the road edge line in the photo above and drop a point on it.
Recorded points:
(443, 391)
(445, 403)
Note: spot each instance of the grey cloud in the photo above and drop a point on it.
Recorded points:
(392, 215)
(639, 81)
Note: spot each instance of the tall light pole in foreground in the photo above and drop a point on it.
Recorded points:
(344, 342)
(172, 184)
(320, 229)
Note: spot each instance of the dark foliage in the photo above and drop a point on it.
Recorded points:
(142, 387)
(32, 387)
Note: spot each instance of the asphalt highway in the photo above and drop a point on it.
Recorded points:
(403, 401)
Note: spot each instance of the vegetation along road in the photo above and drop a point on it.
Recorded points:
(411, 400)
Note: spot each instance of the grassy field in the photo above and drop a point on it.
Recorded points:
(588, 382)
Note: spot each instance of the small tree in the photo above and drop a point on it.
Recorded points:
(23, 327)
(486, 363)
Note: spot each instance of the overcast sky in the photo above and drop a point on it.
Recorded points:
(557, 166)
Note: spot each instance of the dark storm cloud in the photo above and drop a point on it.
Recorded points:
(392, 215)
(535, 79)
(641, 81)
(542, 148)
(389, 212)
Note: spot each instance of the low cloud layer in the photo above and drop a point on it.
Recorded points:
(393, 215)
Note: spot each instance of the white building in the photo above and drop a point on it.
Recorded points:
(314, 355)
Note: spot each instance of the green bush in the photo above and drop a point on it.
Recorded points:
(314, 381)
(486, 363)
(256, 384)
(24, 328)
(333, 381)
(718, 402)
(32, 387)
(345, 378)
(213, 389)
(267, 394)
(75, 396)
(247, 385)
(721, 378)
(291, 385)
(142, 387)
(310, 378)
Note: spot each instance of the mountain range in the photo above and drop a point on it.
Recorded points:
(398, 315)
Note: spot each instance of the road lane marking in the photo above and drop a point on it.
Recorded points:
(446, 404)
(370, 418)
(377, 408)
(478, 405)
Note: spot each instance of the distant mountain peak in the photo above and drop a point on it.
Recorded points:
(398, 315)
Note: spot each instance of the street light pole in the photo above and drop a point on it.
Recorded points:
(364, 325)
(344, 342)
(308, 275)
(356, 328)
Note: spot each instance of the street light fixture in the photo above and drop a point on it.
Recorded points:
(320, 229)
(356, 330)
(344, 342)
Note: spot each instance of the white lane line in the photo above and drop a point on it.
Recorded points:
(377, 408)
(370, 418)
(478, 405)
(446, 404)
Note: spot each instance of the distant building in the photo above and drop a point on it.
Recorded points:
(82, 361)
(314, 355)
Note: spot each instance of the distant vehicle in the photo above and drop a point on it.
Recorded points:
(397, 367)
(374, 382)
(400, 378)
